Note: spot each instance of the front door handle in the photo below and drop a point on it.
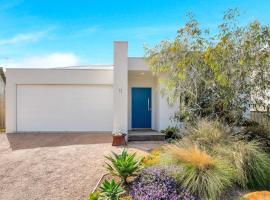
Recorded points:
(149, 109)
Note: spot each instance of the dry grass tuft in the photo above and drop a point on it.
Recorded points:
(208, 133)
(191, 155)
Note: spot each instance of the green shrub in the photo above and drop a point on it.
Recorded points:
(94, 196)
(248, 122)
(111, 190)
(201, 174)
(258, 133)
(171, 132)
(123, 165)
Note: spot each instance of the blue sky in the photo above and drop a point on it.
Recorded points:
(45, 33)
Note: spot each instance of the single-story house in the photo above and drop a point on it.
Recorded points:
(101, 98)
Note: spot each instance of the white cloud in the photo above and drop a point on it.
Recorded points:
(46, 61)
(23, 37)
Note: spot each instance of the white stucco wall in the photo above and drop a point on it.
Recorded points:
(17, 77)
(165, 113)
(137, 64)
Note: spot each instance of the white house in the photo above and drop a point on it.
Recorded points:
(122, 96)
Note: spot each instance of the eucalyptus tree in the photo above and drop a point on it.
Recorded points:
(214, 75)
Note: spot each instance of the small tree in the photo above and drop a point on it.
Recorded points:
(215, 76)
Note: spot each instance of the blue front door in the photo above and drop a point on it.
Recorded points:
(141, 107)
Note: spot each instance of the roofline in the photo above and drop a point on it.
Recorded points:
(136, 57)
(80, 67)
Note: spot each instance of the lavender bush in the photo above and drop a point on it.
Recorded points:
(154, 183)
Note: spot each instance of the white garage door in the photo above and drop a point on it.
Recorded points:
(64, 107)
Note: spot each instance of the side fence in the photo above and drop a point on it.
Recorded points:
(261, 117)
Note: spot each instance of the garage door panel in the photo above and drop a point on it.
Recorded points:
(64, 107)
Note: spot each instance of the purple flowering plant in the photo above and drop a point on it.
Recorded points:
(154, 183)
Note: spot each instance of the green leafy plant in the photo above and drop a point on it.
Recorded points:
(94, 196)
(123, 165)
(111, 190)
(171, 132)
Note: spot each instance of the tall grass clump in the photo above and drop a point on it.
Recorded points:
(202, 175)
(208, 133)
(251, 163)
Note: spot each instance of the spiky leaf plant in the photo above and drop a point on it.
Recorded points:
(123, 165)
(111, 190)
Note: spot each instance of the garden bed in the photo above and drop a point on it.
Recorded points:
(209, 162)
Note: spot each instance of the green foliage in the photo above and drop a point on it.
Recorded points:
(123, 165)
(94, 196)
(215, 76)
(171, 132)
(111, 190)
(258, 133)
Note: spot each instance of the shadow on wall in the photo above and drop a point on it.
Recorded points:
(35, 140)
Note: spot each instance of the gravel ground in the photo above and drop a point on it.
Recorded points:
(55, 166)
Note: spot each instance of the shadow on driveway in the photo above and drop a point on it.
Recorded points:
(34, 140)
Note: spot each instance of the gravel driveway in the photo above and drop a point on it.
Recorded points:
(54, 166)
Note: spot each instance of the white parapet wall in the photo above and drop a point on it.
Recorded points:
(120, 91)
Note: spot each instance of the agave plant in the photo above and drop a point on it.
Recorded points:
(111, 190)
(123, 165)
